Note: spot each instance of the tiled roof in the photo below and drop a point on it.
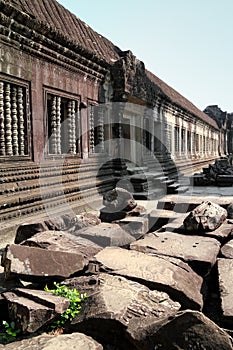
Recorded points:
(180, 100)
(55, 15)
(59, 18)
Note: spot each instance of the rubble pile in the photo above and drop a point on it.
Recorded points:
(167, 289)
(218, 174)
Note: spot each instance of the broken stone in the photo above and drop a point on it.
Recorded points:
(230, 211)
(187, 330)
(30, 263)
(61, 223)
(227, 250)
(207, 216)
(199, 252)
(118, 199)
(33, 309)
(107, 234)
(27, 230)
(221, 233)
(63, 241)
(117, 306)
(85, 220)
(60, 342)
(159, 218)
(162, 273)
(225, 267)
(136, 226)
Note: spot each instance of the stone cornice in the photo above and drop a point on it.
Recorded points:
(40, 40)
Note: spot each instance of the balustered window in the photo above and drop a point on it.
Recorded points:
(189, 141)
(63, 125)
(13, 119)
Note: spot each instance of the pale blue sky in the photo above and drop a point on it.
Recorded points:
(186, 43)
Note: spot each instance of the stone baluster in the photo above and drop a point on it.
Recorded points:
(71, 120)
(21, 134)
(58, 125)
(100, 129)
(14, 121)
(2, 126)
(8, 120)
(91, 130)
(53, 137)
(78, 130)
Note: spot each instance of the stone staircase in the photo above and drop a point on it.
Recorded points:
(157, 177)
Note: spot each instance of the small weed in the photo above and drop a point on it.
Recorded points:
(75, 298)
(9, 333)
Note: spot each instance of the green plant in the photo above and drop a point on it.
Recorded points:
(75, 298)
(9, 333)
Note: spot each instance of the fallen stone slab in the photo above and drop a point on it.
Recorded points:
(63, 241)
(161, 273)
(27, 230)
(107, 234)
(33, 309)
(184, 204)
(199, 252)
(32, 263)
(135, 226)
(221, 233)
(160, 217)
(117, 307)
(186, 330)
(207, 216)
(225, 267)
(227, 250)
(59, 342)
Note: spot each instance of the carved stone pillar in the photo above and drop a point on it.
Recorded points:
(2, 126)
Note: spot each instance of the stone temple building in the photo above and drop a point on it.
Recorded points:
(69, 95)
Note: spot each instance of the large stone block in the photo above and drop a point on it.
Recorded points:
(199, 252)
(60, 342)
(118, 307)
(107, 234)
(227, 250)
(162, 273)
(63, 241)
(32, 263)
(187, 330)
(33, 309)
(225, 267)
(207, 216)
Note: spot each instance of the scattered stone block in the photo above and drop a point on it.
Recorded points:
(227, 250)
(135, 226)
(118, 307)
(107, 234)
(187, 330)
(33, 309)
(199, 252)
(51, 342)
(32, 263)
(207, 216)
(27, 230)
(160, 217)
(162, 273)
(225, 267)
(63, 241)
